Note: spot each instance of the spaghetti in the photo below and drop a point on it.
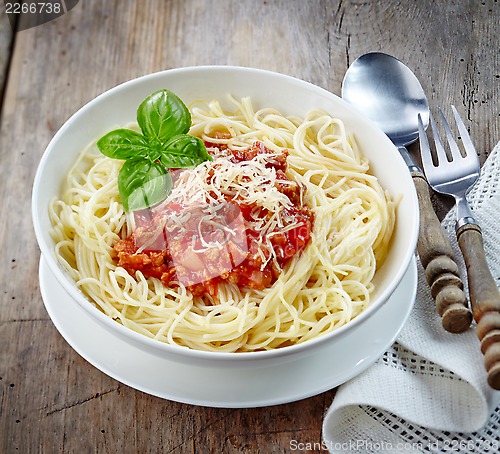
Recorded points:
(321, 288)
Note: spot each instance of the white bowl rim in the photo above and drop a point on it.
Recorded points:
(78, 296)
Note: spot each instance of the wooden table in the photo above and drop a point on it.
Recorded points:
(51, 399)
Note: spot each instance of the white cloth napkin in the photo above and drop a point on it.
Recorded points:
(428, 393)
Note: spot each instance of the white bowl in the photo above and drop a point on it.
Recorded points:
(289, 95)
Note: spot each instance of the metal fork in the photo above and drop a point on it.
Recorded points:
(454, 174)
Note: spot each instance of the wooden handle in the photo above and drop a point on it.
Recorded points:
(485, 299)
(441, 271)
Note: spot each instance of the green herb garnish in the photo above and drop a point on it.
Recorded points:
(144, 179)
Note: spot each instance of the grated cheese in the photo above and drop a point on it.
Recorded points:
(210, 186)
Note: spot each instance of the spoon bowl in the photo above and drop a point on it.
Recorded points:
(388, 93)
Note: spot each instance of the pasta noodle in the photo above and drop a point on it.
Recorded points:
(321, 289)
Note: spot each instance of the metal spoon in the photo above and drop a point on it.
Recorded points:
(387, 92)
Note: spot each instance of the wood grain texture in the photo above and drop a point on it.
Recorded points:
(437, 258)
(51, 399)
(6, 37)
(485, 299)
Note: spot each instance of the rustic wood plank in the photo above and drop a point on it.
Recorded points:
(446, 44)
(60, 403)
(6, 39)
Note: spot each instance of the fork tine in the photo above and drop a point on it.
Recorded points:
(440, 151)
(425, 149)
(455, 151)
(466, 140)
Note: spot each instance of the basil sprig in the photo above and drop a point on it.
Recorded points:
(144, 180)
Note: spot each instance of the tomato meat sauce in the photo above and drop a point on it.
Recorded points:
(203, 246)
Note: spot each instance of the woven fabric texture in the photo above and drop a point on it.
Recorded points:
(428, 392)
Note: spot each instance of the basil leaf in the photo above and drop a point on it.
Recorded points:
(142, 184)
(123, 144)
(184, 151)
(161, 116)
